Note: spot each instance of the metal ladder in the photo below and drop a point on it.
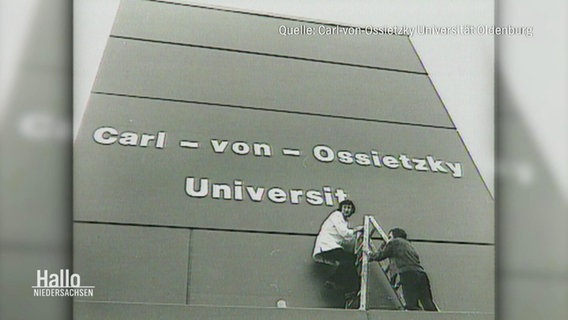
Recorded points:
(363, 246)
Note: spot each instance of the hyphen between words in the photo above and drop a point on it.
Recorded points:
(201, 188)
(320, 152)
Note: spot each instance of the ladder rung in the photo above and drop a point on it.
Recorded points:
(363, 241)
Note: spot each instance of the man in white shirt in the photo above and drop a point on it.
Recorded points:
(330, 248)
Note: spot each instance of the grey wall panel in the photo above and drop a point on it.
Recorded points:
(195, 74)
(247, 269)
(88, 310)
(129, 263)
(461, 276)
(265, 268)
(380, 294)
(116, 183)
(239, 31)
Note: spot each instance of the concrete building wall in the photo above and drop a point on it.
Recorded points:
(223, 109)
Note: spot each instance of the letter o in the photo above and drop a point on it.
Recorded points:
(75, 280)
(241, 148)
(319, 152)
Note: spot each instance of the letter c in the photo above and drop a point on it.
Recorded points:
(105, 135)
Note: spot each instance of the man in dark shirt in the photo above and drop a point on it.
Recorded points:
(414, 280)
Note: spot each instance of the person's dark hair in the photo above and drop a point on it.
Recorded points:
(347, 202)
(398, 233)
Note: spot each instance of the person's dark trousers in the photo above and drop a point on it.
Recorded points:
(346, 274)
(416, 287)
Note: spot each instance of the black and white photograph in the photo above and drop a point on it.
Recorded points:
(280, 160)
(238, 161)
